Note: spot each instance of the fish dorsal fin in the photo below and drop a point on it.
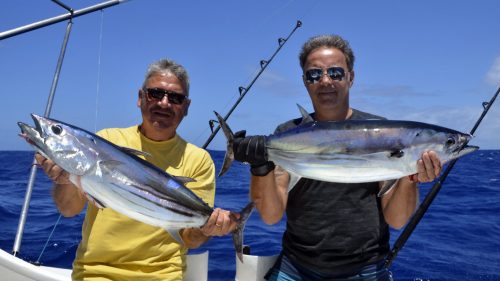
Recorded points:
(134, 151)
(184, 179)
(306, 118)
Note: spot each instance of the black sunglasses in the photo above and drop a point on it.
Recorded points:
(313, 75)
(158, 94)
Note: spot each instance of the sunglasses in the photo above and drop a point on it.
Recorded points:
(156, 94)
(313, 75)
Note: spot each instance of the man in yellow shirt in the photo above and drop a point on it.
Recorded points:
(115, 247)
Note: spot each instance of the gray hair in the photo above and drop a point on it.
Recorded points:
(328, 41)
(167, 66)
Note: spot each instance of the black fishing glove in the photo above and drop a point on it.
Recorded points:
(252, 150)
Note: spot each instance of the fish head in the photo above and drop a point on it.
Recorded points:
(454, 145)
(67, 146)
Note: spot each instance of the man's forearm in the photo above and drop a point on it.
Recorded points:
(69, 200)
(268, 198)
(193, 237)
(400, 205)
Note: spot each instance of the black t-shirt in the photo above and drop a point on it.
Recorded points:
(334, 228)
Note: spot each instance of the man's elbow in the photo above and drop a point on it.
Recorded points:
(398, 223)
(397, 226)
(192, 245)
(271, 219)
(69, 213)
(70, 210)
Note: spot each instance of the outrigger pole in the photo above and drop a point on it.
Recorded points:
(410, 227)
(10, 33)
(72, 14)
(244, 90)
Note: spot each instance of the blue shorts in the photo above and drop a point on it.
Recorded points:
(285, 270)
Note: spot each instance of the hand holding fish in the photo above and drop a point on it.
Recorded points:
(53, 171)
(429, 167)
(252, 150)
(219, 223)
(69, 199)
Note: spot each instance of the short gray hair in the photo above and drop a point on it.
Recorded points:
(166, 66)
(328, 41)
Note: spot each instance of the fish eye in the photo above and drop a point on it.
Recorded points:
(450, 141)
(56, 129)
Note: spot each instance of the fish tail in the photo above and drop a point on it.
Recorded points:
(238, 232)
(229, 157)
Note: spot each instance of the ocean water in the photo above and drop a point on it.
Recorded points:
(457, 239)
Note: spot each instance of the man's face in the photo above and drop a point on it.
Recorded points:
(162, 115)
(329, 94)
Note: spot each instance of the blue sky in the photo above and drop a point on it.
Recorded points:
(428, 61)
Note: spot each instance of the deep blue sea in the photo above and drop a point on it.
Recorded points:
(457, 239)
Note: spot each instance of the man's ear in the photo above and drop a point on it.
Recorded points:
(186, 109)
(139, 100)
(351, 78)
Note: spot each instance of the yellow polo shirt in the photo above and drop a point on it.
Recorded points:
(115, 247)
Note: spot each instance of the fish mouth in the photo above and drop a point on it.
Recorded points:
(31, 134)
(465, 149)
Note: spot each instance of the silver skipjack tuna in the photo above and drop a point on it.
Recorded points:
(115, 177)
(355, 151)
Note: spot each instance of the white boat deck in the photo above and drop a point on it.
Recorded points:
(15, 269)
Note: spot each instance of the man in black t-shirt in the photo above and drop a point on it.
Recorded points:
(334, 230)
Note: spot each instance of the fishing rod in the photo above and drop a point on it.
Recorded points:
(244, 90)
(10, 33)
(398, 245)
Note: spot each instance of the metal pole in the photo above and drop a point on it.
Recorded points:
(56, 19)
(405, 235)
(48, 107)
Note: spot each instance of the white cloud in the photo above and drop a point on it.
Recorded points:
(493, 75)
(279, 85)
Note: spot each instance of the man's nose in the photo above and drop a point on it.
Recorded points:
(164, 102)
(325, 79)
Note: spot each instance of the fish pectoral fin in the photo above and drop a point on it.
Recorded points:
(396, 153)
(386, 187)
(184, 179)
(294, 178)
(134, 151)
(175, 233)
(109, 165)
